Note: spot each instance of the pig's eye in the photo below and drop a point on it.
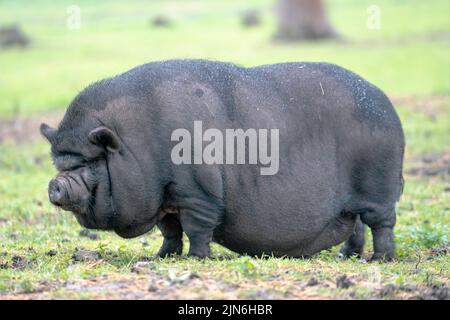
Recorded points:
(69, 168)
(75, 167)
(69, 162)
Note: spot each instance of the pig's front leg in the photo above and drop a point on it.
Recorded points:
(199, 231)
(170, 227)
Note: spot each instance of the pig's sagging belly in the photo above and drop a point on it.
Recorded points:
(282, 234)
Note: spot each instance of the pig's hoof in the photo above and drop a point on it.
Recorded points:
(166, 254)
(198, 256)
(382, 257)
(347, 252)
(169, 249)
(200, 253)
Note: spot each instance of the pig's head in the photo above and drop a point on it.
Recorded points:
(100, 179)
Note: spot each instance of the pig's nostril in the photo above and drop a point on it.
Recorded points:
(55, 193)
(55, 198)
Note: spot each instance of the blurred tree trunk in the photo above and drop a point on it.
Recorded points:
(303, 19)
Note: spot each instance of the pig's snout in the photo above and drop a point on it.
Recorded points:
(57, 193)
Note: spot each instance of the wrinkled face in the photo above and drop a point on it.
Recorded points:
(82, 186)
(100, 184)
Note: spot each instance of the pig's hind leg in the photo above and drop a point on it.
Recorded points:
(380, 218)
(354, 246)
(377, 188)
(381, 223)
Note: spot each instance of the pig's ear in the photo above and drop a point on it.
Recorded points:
(47, 132)
(104, 137)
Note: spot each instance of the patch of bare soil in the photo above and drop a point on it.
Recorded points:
(431, 165)
(440, 251)
(26, 129)
(144, 283)
(186, 285)
(432, 105)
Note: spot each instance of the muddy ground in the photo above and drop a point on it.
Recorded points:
(145, 281)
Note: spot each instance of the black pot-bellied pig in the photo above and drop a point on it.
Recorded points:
(285, 159)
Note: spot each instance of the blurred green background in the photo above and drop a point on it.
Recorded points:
(408, 58)
(409, 54)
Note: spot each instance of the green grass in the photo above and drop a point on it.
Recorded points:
(408, 57)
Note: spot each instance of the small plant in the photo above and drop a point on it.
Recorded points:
(25, 286)
(428, 235)
(423, 236)
(248, 266)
